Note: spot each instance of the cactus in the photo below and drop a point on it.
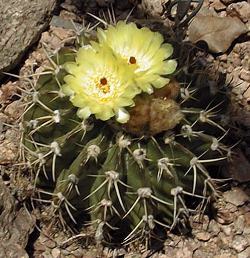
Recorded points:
(147, 173)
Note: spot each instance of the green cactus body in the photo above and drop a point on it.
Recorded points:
(114, 178)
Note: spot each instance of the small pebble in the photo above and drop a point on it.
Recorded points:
(203, 236)
(239, 243)
(239, 225)
(245, 75)
(236, 196)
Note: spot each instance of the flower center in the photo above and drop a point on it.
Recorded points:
(132, 60)
(103, 85)
(103, 81)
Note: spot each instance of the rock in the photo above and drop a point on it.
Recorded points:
(15, 251)
(103, 3)
(218, 5)
(239, 225)
(243, 50)
(236, 196)
(224, 215)
(245, 253)
(217, 32)
(239, 243)
(239, 167)
(3, 119)
(58, 21)
(15, 226)
(8, 91)
(227, 229)
(57, 37)
(245, 75)
(200, 253)
(152, 8)
(56, 253)
(213, 228)
(225, 255)
(224, 241)
(241, 10)
(14, 110)
(227, 2)
(123, 5)
(184, 253)
(22, 22)
(203, 236)
(247, 223)
(9, 152)
(134, 255)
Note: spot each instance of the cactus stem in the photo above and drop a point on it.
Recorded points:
(161, 224)
(32, 123)
(205, 118)
(41, 200)
(130, 236)
(72, 183)
(84, 126)
(187, 94)
(41, 162)
(39, 74)
(55, 66)
(30, 105)
(169, 138)
(144, 193)
(187, 132)
(99, 232)
(99, 19)
(205, 115)
(47, 123)
(123, 142)
(35, 100)
(211, 160)
(164, 165)
(176, 192)
(139, 155)
(54, 148)
(208, 182)
(93, 151)
(105, 204)
(82, 235)
(62, 200)
(149, 225)
(112, 179)
(59, 94)
(54, 167)
(229, 150)
(176, 217)
(99, 237)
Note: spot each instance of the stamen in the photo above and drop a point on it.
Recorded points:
(103, 85)
(132, 60)
(103, 81)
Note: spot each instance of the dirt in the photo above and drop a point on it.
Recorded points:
(225, 233)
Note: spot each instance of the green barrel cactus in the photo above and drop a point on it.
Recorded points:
(112, 140)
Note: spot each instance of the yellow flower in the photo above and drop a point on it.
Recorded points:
(143, 50)
(99, 84)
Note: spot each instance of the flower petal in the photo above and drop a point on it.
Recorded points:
(122, 116)
(84, 113)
